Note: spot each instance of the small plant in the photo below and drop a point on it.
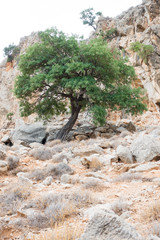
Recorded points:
(144, 51)
(152, 213)
(61, 231)
(89, 16)
(9, 116)
(42, 153)
(120, 207)
(11, 52)
(108, 34)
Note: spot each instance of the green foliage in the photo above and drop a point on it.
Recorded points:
(90, 75)
(108, 34)
(9, 116)
(89, 16)
(11, 52)
(144, 51)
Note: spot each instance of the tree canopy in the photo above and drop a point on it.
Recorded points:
(89, 17)
(62, 70)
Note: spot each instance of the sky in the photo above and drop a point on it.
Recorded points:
(19, 18)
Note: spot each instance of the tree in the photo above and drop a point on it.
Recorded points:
(11, 51)
(89, 16)
(62, 71)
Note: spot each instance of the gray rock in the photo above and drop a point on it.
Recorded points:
(3, 164)
(108, 226)
(2, 153)
(66, 178)
(3, 167)
(145, 148)
(124, 154)
(48, 181)
(35, 132)
(146, 167)
(87, 151)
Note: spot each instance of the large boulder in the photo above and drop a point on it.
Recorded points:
(124, 154)
(109, 226)
(145, 148)
(35, 132)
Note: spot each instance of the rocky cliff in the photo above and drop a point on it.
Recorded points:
(141, 23)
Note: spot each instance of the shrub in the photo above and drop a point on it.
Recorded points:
(12, 162)
(108, 34)
(12, 197)
(120, 206)
(128, 177)
(41, 153)
(144, 51)
(152, 213)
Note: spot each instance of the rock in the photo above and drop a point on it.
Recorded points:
(48, 181)
(146, 167)
(66, 178)
(58, 170)
(105, 144)
(35, 132)
(2, 153)
(22, 180)
(145, 148)
(81, 137)
(87, 151)
(92, 162)
(3, 166)
(6, 140)
(99, 208)
(36, 145)
(12, 162)
(108, 226)
(131, 127)
(124, 154)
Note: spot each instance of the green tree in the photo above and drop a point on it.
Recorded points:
(63, 71)
(89, 16)
(10, 52)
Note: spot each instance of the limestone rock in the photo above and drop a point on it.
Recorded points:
(124, 154)
(29, 133)
(87, 151)
(145, 148)
(108, 226)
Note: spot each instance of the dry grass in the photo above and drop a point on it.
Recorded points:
(61, 231)
(42, 153)
(95, 164)
(152, 213)
(12, 198)
(128, 177)
(120, 207)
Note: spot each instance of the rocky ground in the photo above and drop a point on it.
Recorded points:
(105, 185)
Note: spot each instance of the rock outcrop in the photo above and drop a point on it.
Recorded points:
(141, 23)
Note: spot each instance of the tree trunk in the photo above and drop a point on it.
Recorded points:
(62, 134)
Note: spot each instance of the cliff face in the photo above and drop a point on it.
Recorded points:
(8, 74)
(141, 23)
